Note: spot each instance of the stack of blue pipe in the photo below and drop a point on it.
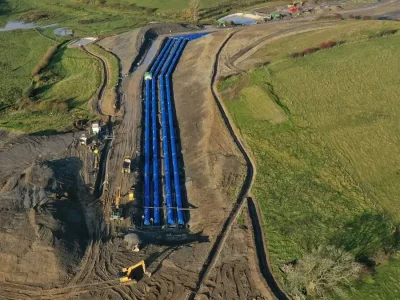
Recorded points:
(158, 90)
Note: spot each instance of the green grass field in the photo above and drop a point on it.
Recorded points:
(323, 132)
(72, 77)
(112, 16)
(20, 52)
(61, 94)
(350, 31)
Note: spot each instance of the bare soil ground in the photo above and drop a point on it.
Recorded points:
(236, 275)
(45, 187)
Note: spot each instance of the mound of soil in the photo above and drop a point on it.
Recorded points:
(42, 222)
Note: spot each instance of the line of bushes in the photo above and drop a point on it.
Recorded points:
(383, 33)
(44, 60)
(322, 46)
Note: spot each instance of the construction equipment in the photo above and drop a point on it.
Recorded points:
(83, 139)
(96, 158)
(126, 166)
(95, 128)
(294, 9)
(132, 274)
(274, 16)
(131, 194)
(116, 213)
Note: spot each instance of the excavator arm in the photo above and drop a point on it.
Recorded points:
(132, 274)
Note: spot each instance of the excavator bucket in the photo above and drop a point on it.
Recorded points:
(133, 274)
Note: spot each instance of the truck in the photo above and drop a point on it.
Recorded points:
(126, 165)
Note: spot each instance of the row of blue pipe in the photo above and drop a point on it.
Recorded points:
(161, 71)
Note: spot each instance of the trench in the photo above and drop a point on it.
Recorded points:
(143, 51)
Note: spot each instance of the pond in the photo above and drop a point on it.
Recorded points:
(14, 25)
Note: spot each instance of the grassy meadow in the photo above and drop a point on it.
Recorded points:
(20, 52)
(60, 95)
(350, 31)
(323, 131)
(63, 89)
(112, 16)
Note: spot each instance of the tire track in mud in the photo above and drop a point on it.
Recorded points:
(245, 194)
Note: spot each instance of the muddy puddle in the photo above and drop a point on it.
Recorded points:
(15, 25)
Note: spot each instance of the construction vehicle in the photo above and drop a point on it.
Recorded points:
(294, 9)
(116, 212)
(95, 128)
(131, 194)
(83, 139)
(96, 158)
(126, 166)
(274, 16)
(132, 274)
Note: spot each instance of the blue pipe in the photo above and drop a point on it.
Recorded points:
(167, 123)
(147, 173)
(175, 165)
(147, 154)
(194, 36)
(156, 169)
(165, 133)
(170, 121)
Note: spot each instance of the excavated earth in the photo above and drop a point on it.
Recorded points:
(57, 241)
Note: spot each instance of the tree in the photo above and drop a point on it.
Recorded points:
(323, 271)
(194, 7)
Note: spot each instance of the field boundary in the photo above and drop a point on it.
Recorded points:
(253, 208)
(244, 195)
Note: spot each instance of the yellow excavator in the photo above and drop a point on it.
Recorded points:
(116, 213)
(131, 194)
(96, 156)
(133, 274)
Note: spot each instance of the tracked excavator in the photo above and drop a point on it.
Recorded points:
(116, 213)
(133, 274)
